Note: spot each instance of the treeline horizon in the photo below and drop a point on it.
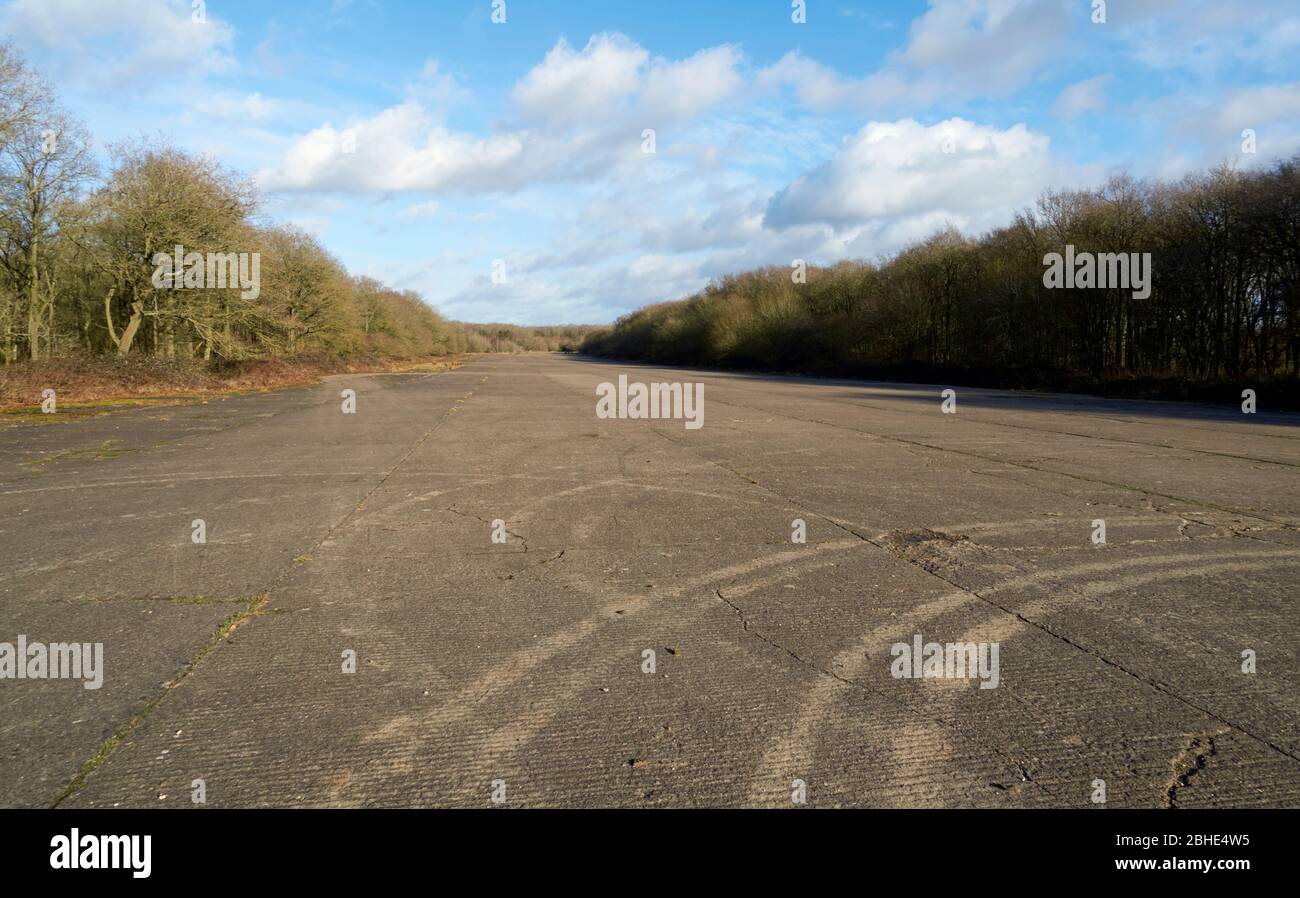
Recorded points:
(78, 253)
(1223, 305)
(496, 337)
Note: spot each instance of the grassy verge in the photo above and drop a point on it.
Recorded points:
(88, 384)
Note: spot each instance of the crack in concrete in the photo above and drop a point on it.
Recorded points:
(253, 608)
(1162, 688)
(465, 514)
(1044, 628)
(172, 600)
(1157, 686)
(852, 684)
(256, 607)
(744, 625)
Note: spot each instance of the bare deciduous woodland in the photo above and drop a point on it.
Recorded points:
(77, 247)
(1224, 304)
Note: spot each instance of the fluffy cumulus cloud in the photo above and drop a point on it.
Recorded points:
(613, 77)
(569, 85)
(889, 172)
(577, 115)
(402, 148)
(679, 91)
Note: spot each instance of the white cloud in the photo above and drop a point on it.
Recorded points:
(582, 114)
(579, 294)
(1201, 37)
(822, 87)
(1256, 107)
(437, 88)
(613, 77)
(399, 149)
(892, 171)
(957, 49)
(1215, 121)
(1271, 111)
(249, 108)
(149, 38)
(570, 86)
(677, 91)
(1001, 43)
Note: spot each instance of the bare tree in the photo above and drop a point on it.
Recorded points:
(44, 169)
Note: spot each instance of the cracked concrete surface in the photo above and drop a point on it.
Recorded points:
(521, 661)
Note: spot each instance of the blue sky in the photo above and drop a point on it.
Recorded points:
(423, 143)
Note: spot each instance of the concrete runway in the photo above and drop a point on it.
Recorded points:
(522, 663)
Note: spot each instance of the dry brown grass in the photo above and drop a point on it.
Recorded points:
(89, 381)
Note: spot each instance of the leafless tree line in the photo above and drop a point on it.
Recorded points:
(77, 254)
(1224, 302)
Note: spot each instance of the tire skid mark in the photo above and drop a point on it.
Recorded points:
(945, 693)
(794, 754)
(522, 516)
(464, 707)
(514, 667)
(496, 750)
